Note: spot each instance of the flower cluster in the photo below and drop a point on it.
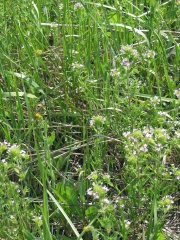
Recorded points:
(77, 5)
(98, 191)
(75, 52)
(155, 101)
(114, 72)
(149, 54)
(97, 120)
(128, 50)
(125, 62)
(166, 202)
(77, 65)
(98, 123)
(147, 140)
(12, 152)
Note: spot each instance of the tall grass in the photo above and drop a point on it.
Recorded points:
(89, 120)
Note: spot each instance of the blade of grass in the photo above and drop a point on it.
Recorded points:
(65, 215)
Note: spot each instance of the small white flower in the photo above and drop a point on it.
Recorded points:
(105, 188)
(89, 191)
(78, 5)
(106, 201)
(144, 148)
(114, 73)
(61, 6)
(127, 223)
(177, 93)
(125, 134)
(95, 195)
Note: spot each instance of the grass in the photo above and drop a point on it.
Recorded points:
(89, 119)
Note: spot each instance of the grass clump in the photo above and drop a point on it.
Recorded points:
(89, 100)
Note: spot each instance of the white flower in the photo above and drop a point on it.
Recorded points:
(89, 191)
(106, 201)
(78, 5)
(125, 134)
(61, 6)
(144, 148)
(114, 73)
(177, 93)
(105, 188)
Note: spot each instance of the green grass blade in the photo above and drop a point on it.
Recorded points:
(65, 215)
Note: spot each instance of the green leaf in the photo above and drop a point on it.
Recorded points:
(20, 94)
(148, 96)
(27, 79)
(29, 236)
(82, 190)
(51, 138)
(91, 212)
(64, 214)
(160, 236)
(140, 32)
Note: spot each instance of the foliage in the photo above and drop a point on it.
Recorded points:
(89, 120)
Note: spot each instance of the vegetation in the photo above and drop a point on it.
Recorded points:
(89, 119)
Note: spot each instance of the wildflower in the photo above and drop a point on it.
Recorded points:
(105, 188)
(77, 5)
(38, 115)
(61, 6)
(161, 135)
(127, 223)
(106, 201)
(89, 191)
(167, 202)
(177, 133)
(125, 62)
(94, 175)
(74, 52)
(158, 147)
(125, 134)
(128, 50)
(134, 152)
(155, 100)
(114, 73)
(177, 174)
(149, 54)
(95, 195)
(39, 51)
(97, 121)
(14, 152)
(4, 161)
(177, 93)
(144, 148)
(77, 65)
(86, 228)
(7, 143)
(162, 113)
(91, 122)
(23, 153)
(106, 175)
